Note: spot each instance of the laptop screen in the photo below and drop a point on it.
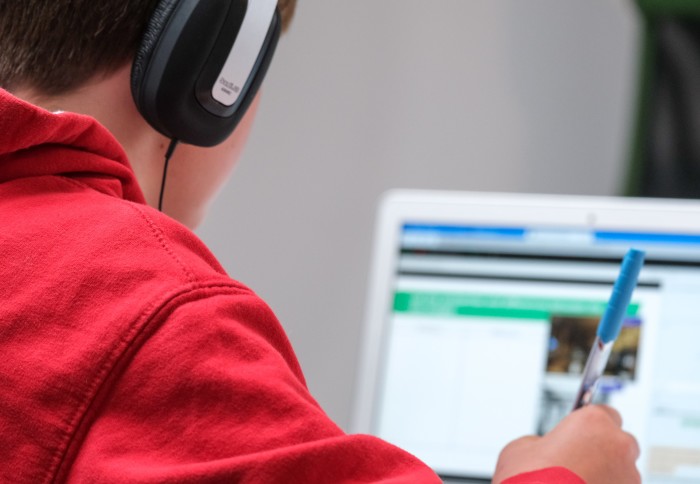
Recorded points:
(489, 326)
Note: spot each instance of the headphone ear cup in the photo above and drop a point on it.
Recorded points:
(192, 52)
(154, 29)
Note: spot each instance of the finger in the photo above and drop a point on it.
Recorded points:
(611, 412)
(522, 441)
(526, 439)
(634, 446)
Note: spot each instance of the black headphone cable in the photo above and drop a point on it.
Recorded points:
(168, 155)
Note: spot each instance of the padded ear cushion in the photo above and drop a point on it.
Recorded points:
(154, 29)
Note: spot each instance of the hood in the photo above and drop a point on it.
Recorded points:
(35, 142)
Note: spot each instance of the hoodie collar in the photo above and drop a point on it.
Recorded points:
(36, 142)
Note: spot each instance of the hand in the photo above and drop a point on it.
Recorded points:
(589, 442)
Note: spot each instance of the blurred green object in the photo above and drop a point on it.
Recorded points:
(670, 7)
(665, 155)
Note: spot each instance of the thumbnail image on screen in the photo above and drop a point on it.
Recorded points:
(570, 341)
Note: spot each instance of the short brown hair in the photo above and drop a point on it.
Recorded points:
(55, 46)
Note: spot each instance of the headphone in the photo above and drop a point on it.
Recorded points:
(200, 64)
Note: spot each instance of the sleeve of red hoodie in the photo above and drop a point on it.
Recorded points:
(559, 475)
(214, 395)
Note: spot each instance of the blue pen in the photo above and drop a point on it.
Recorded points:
(610, 325)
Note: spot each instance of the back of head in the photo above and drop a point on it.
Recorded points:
(55, 46)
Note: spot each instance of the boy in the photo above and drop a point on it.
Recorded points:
(128, 355)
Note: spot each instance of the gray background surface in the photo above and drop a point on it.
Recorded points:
(364, 96)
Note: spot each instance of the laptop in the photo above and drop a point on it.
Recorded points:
(483, 307)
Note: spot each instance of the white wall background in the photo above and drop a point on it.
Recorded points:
(363, 96)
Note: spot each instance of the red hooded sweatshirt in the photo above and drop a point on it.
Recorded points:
(126, 352)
